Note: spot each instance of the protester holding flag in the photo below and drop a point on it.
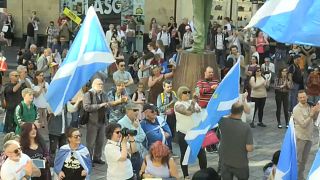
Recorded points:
(303, 117)
(233, 151)
(184, 108)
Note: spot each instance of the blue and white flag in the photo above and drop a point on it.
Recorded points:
(88, 54)
(290, 21)
(314, 173)
(287, 168)
(226, 94)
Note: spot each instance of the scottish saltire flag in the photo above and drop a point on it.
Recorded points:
(88, 54)
(290, 21)
(314, 173)
(287, 168)
(219, 105)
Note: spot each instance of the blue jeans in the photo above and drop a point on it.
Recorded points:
(293, 95)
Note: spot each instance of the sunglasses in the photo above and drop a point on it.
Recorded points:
(258, 71)
(135, 110)
(117, 132)
(16, 151)
(121, 65)
(77, 136)
(186, 92)
(15, 75)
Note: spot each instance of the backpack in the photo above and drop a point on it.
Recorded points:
(84, 115)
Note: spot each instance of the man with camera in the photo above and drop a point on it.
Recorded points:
(304, 115)
(130, 125)
(155, 127)
(95, 103)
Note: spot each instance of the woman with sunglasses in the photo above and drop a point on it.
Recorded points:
(184, 108)
(258, 85)
(159, 163)
(34, 146)
(117, 153)
(73, 160)
(282, 86)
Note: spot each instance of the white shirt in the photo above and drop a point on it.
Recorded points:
(40, 101)
(116, 169)
(159, 51)
(12, 170)
(220, 41)
(165, 37)
(108, 36)
(270, 67)
(185, 123)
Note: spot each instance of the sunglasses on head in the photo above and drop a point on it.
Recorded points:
(186, 92)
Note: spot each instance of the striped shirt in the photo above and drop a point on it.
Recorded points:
(205, 91)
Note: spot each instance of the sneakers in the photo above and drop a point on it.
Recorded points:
(261, 124)
(279, 126)
(252, 125)
(287, 126)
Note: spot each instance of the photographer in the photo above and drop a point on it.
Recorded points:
(131, 123)
(117, 152)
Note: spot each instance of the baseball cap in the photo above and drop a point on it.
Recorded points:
(149, 106)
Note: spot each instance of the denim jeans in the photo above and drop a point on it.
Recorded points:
(293, 95)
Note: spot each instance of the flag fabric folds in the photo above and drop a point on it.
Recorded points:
(290, 21)
(219, 105)
(88, 54)
(287, 168)
(314, 173)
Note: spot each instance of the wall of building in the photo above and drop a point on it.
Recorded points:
(161, 10)
(47, 11)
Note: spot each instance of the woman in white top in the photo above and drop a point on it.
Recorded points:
(117, 153)
(160, 48)
(184, 108)
(40, 89)
(258, 85)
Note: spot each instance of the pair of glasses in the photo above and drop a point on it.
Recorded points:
(77, 136)
(186, 92)
(258, 71)
(16, 75)
(135, 110)
(16, 151)
(122, 65)
(117, 132)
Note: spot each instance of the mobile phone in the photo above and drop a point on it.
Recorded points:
(40, 163)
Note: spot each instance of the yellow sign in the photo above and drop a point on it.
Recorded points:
(72, 15)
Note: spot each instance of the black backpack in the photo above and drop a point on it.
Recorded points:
(84, 115)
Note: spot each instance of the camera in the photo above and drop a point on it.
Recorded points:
(311, 103)
(126, 132)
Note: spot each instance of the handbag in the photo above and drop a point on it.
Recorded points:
(211, 138)
(5, 28)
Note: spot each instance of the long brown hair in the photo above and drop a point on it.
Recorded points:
(24, 136)
(35, 80)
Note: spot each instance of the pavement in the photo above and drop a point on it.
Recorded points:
(266, 140)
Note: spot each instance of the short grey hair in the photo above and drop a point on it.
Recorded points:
(33, 46)
(21, 68)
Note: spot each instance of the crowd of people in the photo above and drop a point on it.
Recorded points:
(135, 121)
